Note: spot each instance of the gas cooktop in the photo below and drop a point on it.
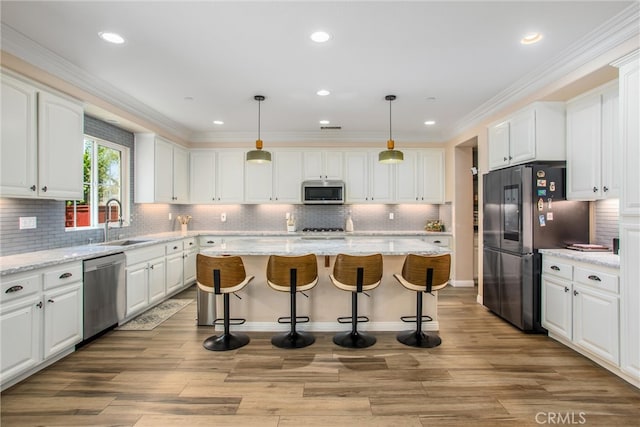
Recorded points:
(323, 229)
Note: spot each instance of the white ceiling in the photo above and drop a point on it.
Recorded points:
(465, 54)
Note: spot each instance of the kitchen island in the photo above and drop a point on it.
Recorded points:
(261, 305)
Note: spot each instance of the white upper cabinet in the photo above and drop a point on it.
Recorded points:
(275, 182)
(230, 176)
(593, 145)
(216, 176)
(319, 164)
(42, 143)
(161, 170)
(420, 177)
(536, 132)
(367, 180)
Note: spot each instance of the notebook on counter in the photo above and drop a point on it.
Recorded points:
(587, 247)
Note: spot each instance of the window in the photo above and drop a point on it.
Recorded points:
(106, 177)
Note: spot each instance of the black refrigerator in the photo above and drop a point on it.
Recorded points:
(525, 209)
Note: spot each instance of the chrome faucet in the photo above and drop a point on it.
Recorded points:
(107, 217)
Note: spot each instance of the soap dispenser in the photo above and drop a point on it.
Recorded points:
(348, 227)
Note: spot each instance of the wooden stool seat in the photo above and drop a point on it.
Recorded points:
(292, 274)
(356, 274)
(423, 273)
(222, 275)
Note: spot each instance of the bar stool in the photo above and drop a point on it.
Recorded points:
(292, 274)
(423, 273)
(223, 275)
(356, 274)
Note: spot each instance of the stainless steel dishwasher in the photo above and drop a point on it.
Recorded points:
(104, 293)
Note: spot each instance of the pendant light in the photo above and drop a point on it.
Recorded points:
(390, 155)
(258, 155)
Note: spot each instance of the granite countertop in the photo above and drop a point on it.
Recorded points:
(322, 246)
(32, 260)
(604, 259)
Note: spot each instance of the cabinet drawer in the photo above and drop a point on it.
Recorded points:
(597, 279)
(442, 241)
(63, 275)
(136, 256)
(17, 287)
(208, 241)
(173, 247)
(558, 269)
(189, 243)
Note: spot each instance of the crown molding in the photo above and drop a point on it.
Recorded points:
(17, 44)
(600, 41)
(310, 137)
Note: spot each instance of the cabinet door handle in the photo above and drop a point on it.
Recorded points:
(50, 300)
(39, 305)
(16, 288)
(65, 276)
(605, 188)
(190, 243)
(555, 268)
(575, 293)
(44, 188)
(510, 158)
(595, 189)
(566, 289)
(594, 277)
(33, 188)
(151, 267)
(504, 158)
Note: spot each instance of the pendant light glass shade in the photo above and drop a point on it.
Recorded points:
(390, 155)
(258, 155)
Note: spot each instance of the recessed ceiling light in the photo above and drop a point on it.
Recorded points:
(531, 38)
(188, 98)
(320, 36)
(324, 122)
(430, 122)
(218, 122)
(431, 98)
(323, 92)
(111, 37)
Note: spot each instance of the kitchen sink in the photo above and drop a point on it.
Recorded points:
(124, 242)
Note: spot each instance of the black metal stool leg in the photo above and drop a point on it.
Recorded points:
(355, 339)
(226, 341)
(293, 339)
(418, 338)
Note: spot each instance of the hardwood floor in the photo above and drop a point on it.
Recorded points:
(485, 373)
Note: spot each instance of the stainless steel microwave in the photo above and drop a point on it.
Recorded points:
(323, 192)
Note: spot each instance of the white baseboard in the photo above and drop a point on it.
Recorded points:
(462, 283)
(331, 326)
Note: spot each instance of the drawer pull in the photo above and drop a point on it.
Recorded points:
(555, 268)
(50, 301)
(16, 288)
(594, 277)
(566, 289)
(210, 242)
(65, 275)
(437, 241)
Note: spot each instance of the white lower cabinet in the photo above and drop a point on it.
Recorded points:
(581, 308)
(189, 261)
(595, 322)
(41, 315)
(145, 278)
(175, 267)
